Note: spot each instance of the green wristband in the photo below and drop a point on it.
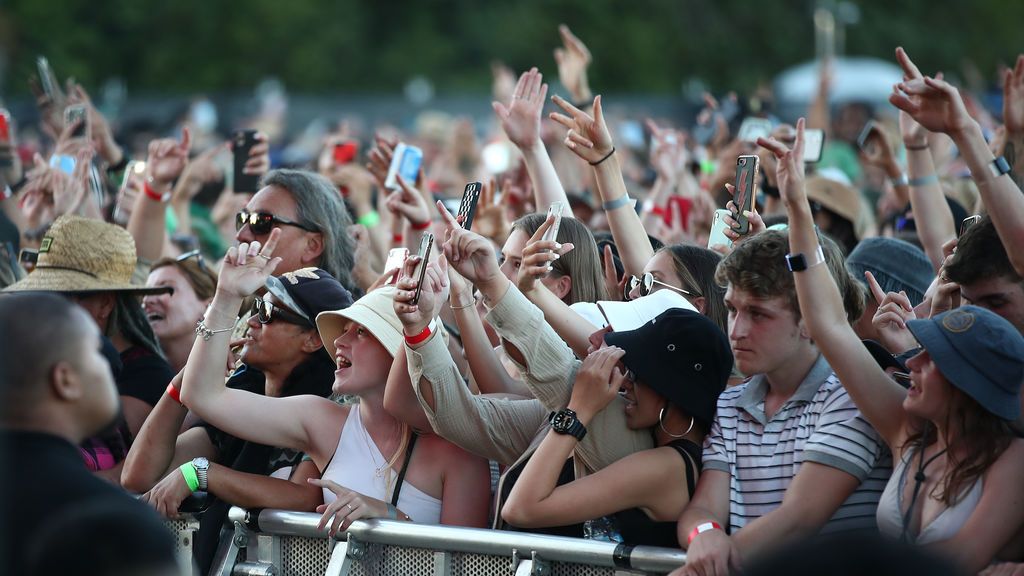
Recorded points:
(188, 470)
(370, 219)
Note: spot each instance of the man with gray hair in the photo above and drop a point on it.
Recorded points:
(313, 221)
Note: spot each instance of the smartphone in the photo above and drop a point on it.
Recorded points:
(80, 114)
(47, 79)
(747, 167)
(865, 134)
(718, 226)
(814, 141)
(345, 152)
(396, 259)
(96, 183)
(241, 143)
(28, 258)
(467, 208)
(405, 163)
(753, 128)
(967, 223)
(555, 210)
(426, 242)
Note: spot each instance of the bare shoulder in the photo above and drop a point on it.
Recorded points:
(654, 465)
(444, 455)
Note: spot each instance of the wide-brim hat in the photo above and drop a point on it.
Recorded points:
(979, 352)
(84, 255)
(375, 311)
(683, 356)
(838, 197)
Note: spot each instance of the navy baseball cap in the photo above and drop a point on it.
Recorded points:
(309, 291)
(979, 352)
(683, 356)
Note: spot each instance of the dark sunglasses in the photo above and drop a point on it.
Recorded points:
(647, 282)
(266, 312)
(263, 222)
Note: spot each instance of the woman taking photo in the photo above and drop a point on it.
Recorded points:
(957, 464)
(371, 464)
(672, 370)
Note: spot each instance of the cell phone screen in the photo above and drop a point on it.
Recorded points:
(241, 143)
(814, 142)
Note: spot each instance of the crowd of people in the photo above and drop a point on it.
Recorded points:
(618, 347)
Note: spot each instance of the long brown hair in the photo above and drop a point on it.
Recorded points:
(980, 435)
(582, 264)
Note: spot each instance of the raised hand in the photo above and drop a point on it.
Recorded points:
(521, 118)
(167, 159)
(469, 253)
(932, 102)
(538, 255)
(891, 317)
(102, 135)
(790, 170)
(615, 286)
(573, 59)
(409, 202)
(247, 266)
(1013, 97)
(598, 381)
(416, 317)
(379, 160)
(503, 82)
(756, 223)
(588, 136)
(668, 151)
(490, 218)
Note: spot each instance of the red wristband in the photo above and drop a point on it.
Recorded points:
(397, 239)
(421, 226)
(422, 336)
(659, 211)
(174, 393)
(701, 528)
(153, 194)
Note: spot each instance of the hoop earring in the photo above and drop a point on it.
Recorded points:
(661, 423)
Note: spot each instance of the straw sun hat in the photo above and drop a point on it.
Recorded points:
(84, 255)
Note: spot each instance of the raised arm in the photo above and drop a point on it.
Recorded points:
(285, 422)
(1013, 120)
(537, 258)
(938, 106)
(165, 163)
(589, 138)
(878, 397)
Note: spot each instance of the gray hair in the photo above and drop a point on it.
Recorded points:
(319, 207)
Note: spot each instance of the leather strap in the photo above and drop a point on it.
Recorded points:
(405, 466)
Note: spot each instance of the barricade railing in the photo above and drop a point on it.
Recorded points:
(288, 543)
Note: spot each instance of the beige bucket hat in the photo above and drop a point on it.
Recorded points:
(84, 255)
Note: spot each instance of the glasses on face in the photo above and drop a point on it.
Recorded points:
(266, 312)
(647, 282)
(261, 223)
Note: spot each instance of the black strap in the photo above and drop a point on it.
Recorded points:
(405, 466)
(691, 463)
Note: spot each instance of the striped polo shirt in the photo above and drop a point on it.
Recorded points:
(819, 423)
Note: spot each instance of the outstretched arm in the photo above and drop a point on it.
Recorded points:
(878, 397)
(165, 163)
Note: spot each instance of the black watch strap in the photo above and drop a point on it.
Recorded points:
(565, 421)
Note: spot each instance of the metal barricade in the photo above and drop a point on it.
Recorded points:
(287, 543)
(184, 530)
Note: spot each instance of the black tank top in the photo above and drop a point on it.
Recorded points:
(636, 528)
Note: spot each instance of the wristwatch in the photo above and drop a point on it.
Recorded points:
(202, 467)
(798, 262)
(999, 166)
(565, 421)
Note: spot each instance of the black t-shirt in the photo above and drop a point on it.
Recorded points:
(144, 375)
(316, 377)
(53, 507)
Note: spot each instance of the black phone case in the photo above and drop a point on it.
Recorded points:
(467, 208)
(241, 143)
(746, 182)
(428, 240)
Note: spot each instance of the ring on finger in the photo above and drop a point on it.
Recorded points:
(350, 508)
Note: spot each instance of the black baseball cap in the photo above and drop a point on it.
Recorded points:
(309, 291)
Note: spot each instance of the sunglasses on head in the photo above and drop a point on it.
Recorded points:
(261, 223)
(194, 254)
(266, 312)
(647, 282)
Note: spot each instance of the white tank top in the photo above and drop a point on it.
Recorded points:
(354, 466)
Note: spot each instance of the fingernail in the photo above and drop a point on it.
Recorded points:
(549, 268)
(558, 246)
(556, 257)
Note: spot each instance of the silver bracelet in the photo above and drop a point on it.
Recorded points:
(470, 305)
(206, 333)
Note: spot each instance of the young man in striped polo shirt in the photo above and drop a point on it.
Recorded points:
(788, 455)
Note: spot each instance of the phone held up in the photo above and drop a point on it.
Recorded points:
(555, 210)
(467, 208)
(241, 143)
(405, 163)
(78, 115)
(345, 152)
(747, 167)
(718, 226)
(396, 260)
(967, 223)
(426, 243)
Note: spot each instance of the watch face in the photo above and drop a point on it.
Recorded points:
(201, 462)
(562, 421)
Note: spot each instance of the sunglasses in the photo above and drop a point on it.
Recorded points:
(194, 254)
(261, 223)
(266, 312)
(647, 282)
